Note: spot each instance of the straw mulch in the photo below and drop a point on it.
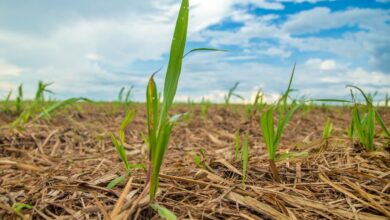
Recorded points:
(61, 168)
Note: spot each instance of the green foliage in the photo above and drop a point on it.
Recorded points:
(244, 157)
(237, 145)
(272, 137)
(120, 143)
(327, 129)
(40, 94)
(387, 99)
(204, 107)
(47, 112)
(232, 93)
(126, 99)
(363, 125)
(6, 104)
(117, 181)
(19, 98)
(159, 129)
(199, 159)
(18, 207)
(163, 212)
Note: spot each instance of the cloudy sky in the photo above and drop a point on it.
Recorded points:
(92, 48)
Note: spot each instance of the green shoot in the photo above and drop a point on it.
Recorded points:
(6, 105)
(18, 102)
(232, 93)
(271, 136)
(160, 129)
(119, 143)
(387, 99)
(18, 207)
(199, 159)
(204, 107)
(237, 146)
(244, 157)
(363, 125)
(327, 129)
(163, 212)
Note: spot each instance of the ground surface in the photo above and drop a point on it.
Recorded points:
(61, 167)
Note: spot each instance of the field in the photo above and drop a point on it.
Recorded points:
(61, 167)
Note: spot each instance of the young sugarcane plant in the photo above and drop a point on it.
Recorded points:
(271, 137)
(232, 93)
(159, 123)
(364, 125)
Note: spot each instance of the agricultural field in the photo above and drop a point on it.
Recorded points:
(160, 159)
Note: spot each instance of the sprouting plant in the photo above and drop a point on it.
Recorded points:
(36, 106)
(363, 125)
(159, 123)
(387, 99)
(18, 207)
(327, 129)
(6, 105)
(122, 98)
(204, 107)
(271, 137)
(258, 104)
(244, 158)
(232, 93)
(163, 212)
(119, 144)
(19, 98)
(199, 159)
(237, 145)
(42, 89)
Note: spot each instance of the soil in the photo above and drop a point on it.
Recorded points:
(61, 167)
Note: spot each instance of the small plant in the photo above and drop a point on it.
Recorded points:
(19, 98)
(363, 125)
(6, 105)
(232, 93)
(204, 107)
(237, 145)
(120, 149)
(244, 158)
(159, 123)
(18, 207)
(122, 98)
(272, 137)
(387, 99)
(327, 129)
(199, 159)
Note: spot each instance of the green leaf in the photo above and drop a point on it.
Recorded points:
(19, 206)
(368, 101)
(126, 121)
(175, 60)
(164, 212)
(197, 160)
(203, 49)
(327, 129)
(237, 145)
(48, 111)
(382, 124)
(120, 149)
(267, 126)
(283, 120)
(117, 181)
(244, 156)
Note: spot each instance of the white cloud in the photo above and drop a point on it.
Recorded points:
(7, 69)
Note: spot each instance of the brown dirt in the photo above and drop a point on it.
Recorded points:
(61, 167)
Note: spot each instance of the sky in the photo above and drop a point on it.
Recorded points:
(92, 48)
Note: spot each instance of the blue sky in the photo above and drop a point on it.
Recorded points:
(92, 48)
